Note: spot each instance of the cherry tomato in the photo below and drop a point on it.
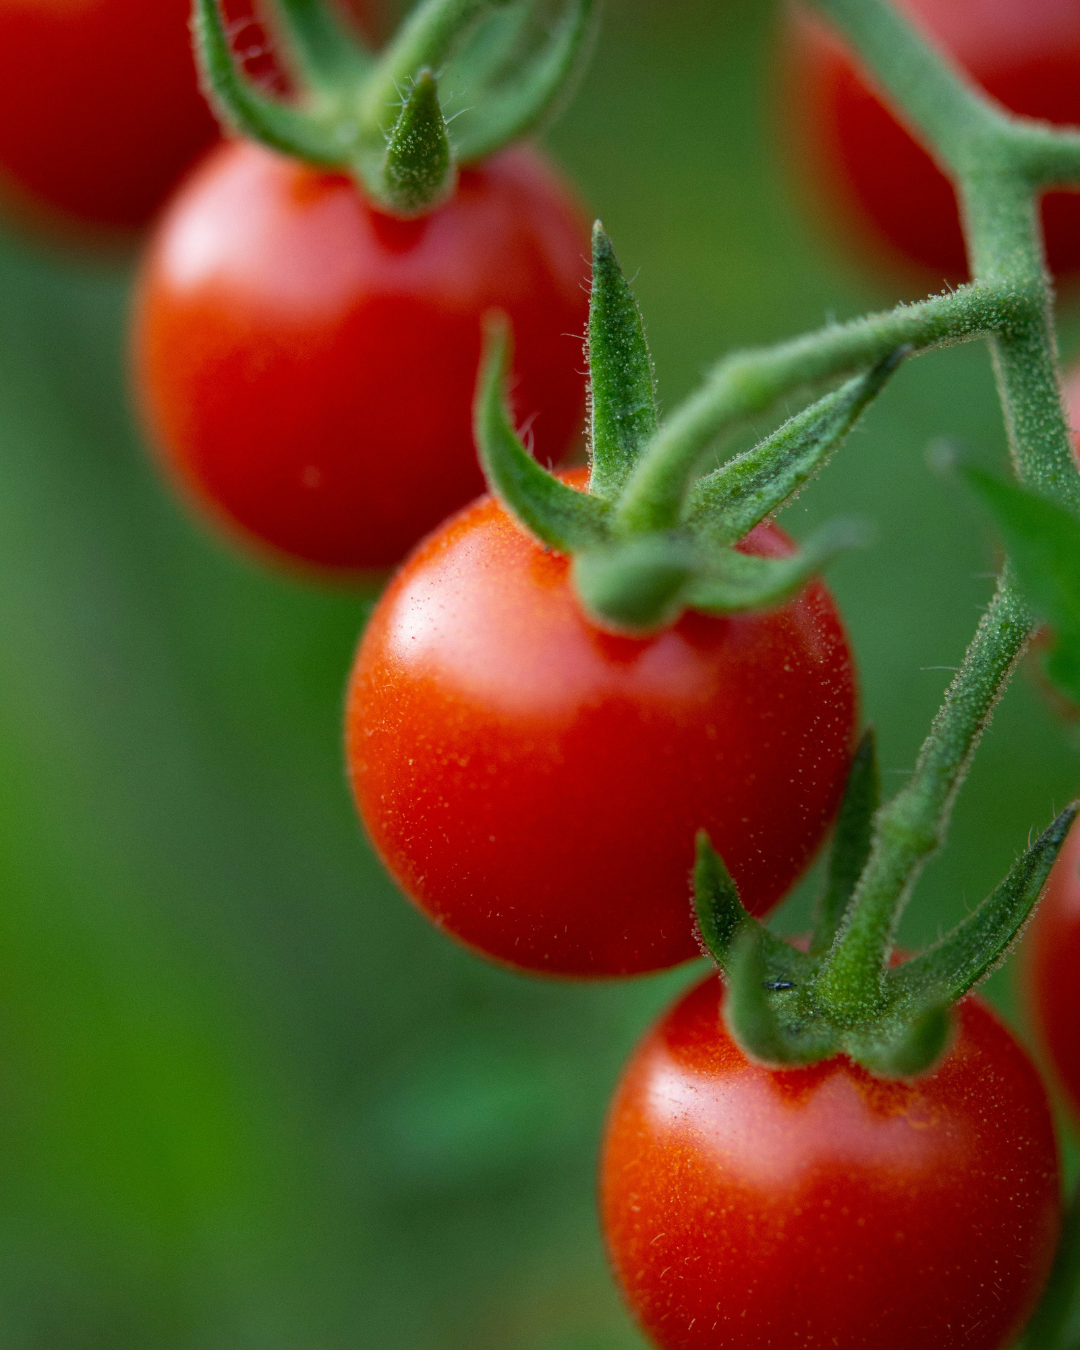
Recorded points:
(307, 365)
(1051, 954)
(535, 784)
(1026, 53)
(100, 108)
(751, 1207)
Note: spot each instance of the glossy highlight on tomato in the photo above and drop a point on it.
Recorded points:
(1051, 960)
(306, 365)
(535, 784)
(876, 177)
(750, 1207)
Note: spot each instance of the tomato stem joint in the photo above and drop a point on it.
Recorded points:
(781, 1005)
(382, 117)
(636, 564)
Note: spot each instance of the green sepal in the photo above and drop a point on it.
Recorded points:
(851, 841)
(728, 582)
(734, 498)
(1043, 543)
(558, 516)
(981, 942)
(905, 1048)
(243, 108)
(635, 586)
(763, 1010)
(623, 416)
(517, 72)
(324, 51)
(722, 919)
(418, 167)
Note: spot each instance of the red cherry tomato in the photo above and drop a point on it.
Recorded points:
(100, 108)
(1026, 53)
(1051, 958)
(750, 1207)
(307, 365)
(100, 111)
(535, 784)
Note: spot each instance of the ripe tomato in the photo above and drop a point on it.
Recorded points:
(307, 365)
(1051, 952)
(100, 109)
(822, 1206)
(535, 784)
(1026, 54)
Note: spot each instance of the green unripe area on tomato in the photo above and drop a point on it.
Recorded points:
(751, 1207)
(876, 178)
(535, 784)
(306, 364)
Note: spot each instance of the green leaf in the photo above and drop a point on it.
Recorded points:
(418, 168)
(851, 840)
(244, 109)
(962, 958)
(1043, 542)
(734, 498)
(623, 416)
(557, 515)
(732, 581)
(722, 919)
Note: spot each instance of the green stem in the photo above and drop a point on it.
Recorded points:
(324, 49)
(748, 383)
(913, 824)
(1005, 246)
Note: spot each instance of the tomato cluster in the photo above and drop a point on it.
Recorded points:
(306, 363)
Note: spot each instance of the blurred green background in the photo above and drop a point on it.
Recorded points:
(248, 1098)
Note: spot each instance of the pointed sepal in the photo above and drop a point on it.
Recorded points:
(242, 107)
(851, 840)
(763, 1010)
(980, 943)
(557, 515)
(904, 1048)
(418, 170)
(734, 498)
(722, 920)
(623, 416)
(517, 70)
(731, 582)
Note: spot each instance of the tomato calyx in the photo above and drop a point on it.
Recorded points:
(380, 116)
(781, 1006)
(636, 571)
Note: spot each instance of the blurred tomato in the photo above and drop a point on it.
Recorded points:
(870, 171)
(100, 109)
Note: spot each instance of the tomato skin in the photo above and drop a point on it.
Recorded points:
(1026, 55)
(307, 365)
(535, 784)
(100, 110)
(1051, 954)
(744, 1206)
